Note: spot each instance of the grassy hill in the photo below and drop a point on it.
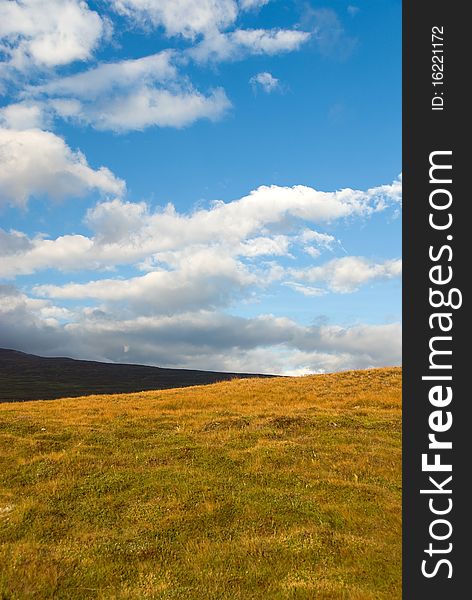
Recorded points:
(258, 489)
(29, 377)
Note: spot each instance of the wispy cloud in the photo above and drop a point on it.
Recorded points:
(329, 33)
(265, 81)
(240, 43)
(353, 10)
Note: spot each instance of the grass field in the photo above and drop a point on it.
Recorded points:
(267, 489)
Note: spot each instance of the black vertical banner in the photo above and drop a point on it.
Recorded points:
(436, 326)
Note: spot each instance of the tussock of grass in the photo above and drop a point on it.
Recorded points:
(248, 489)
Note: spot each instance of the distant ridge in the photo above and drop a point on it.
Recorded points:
(29, 377)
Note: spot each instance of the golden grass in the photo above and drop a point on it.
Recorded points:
(255, 489)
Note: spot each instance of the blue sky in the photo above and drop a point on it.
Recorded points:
(210, 184)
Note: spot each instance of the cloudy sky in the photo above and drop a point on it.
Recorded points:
(208, 184)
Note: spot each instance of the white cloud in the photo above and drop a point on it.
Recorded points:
(201, 279)
(134, 94)
(48, 33)
(321, 239)
(204, 339)
(186, 18)
(147, 107)
(22, 115)
(347, 274)
(207, 278)
(131, 95)
(108, 77)
(277, 245)
(199, 263)
(269, 41)
(192, 264)
(137, 93)
(252, 4)
(314, 242)
(35, 162)
(306, 290)
(117, 221)
(205, 260)
(267, 221)
(266, 81)
(241, 42)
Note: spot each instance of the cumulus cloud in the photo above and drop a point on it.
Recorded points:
(131, 95)
(200, 279)
(347, 274)
(157, 107)
(196, 266)
(154, 90)
(150, 91)
(26, 323)
(203, 339)
(184, 269)
(206, 260)
(265, 81)
(117, 221)
(48, 34)
(265, 222)
(186, 18)
(209, 278)
(22, 115)
(13, 242)
(35, 162)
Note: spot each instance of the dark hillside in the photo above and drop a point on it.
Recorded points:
(29, 377)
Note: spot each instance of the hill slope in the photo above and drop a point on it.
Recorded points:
(280, 489)
(29, 377)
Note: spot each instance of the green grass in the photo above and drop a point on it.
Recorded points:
(249, 489)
